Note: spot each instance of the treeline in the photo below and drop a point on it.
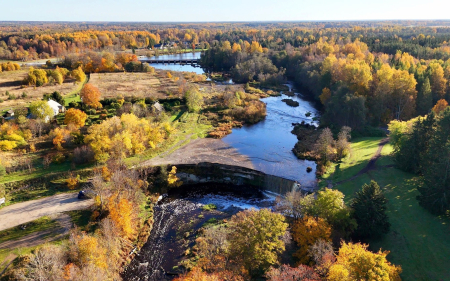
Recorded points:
(421, 147)
(22, 41)
(94, 62)
(356, 87)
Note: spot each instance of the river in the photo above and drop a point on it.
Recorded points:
(268, 143)
(177, 67)
(177, 218)
(179, 214)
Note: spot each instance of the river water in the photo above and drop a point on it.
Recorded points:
(268, 143)
(177, 67)
(179, 214)
(177, 218)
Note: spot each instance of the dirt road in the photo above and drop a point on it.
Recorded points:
(21, 213)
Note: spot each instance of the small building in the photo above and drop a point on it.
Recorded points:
(57, 108)
(157, 107)
(9, 113)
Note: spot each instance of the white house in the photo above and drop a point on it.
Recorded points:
(57, 108)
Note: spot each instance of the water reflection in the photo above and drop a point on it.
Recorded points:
(177, 67)
(269, 143)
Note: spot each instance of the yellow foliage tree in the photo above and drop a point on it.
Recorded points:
(236, 48)
(76, 117)
(88, 250)
(78, 74)
(355, 262)
(172, 178)
(106, 174)
(325, 96)
(256, 47)
(72, 182)
(306, 232)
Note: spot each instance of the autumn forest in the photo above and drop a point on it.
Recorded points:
(225, 151)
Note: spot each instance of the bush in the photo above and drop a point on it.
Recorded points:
(7, 145)
(58, 158)
(83, 154)
(252, 113)
(2, 171)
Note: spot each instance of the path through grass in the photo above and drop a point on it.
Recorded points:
(418, 240)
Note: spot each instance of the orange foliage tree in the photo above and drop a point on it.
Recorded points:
(90, 95)
(60, 136)
(76, 117)
(306, 232)
(121, 213)
(440, 106)
(198, 275)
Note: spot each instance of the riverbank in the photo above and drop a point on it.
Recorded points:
(179, 218)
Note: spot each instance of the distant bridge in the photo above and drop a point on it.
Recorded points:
(172, 61)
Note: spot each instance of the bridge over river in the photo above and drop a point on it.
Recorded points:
(172, 61)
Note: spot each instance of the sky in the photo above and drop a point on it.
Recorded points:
(228, 10)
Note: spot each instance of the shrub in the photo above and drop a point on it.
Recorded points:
(58, 158)
(83, 154)
(7, 145)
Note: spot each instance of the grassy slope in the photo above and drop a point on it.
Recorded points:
(362, 149)
(41, 224)
(418, 241)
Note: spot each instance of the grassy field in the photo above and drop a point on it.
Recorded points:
(11, 81)
(418, 241)
(362, 149)
(41, 224)
(128, 84)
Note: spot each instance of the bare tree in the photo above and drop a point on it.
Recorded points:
(291, 204)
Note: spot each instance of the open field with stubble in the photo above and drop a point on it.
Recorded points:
(138, 84)
(11, 81)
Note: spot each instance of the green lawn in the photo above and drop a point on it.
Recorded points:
(39, 172)
(41, 224)
(362, 149)
(418, 240)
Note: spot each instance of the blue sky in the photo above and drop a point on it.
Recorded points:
(229, 10)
